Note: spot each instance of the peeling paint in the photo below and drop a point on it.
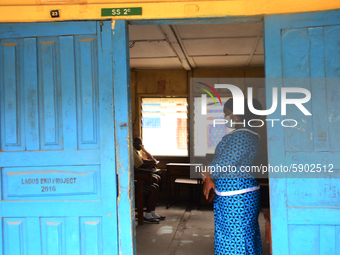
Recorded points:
(113, 23)
(123, 124)
(190, 9)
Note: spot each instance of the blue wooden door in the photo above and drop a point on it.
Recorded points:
(305, 211)
(58, 162)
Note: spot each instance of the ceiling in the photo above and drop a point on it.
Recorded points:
(192, 46)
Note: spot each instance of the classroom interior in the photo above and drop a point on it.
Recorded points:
(164, 60)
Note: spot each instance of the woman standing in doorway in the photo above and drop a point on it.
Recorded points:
(237, 198)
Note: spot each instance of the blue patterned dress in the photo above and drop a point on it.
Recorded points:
(236, 217)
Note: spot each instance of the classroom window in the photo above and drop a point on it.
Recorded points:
(206, 137)
(164, 126)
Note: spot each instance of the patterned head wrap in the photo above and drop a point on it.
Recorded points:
(248, 115)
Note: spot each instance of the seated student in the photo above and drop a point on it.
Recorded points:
(150, 189)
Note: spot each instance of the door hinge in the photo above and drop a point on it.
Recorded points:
(117, 184)
(101, 26)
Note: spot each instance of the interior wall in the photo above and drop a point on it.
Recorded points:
(237, 72)
(160, 82)
(176, 82)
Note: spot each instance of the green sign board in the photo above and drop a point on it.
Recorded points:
(122, 11)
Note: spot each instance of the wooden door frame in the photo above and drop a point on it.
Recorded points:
(126, 225)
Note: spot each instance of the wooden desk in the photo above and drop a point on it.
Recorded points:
(178, 170)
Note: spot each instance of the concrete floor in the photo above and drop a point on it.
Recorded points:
(184, 231)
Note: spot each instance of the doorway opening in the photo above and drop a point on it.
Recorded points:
(165, 57)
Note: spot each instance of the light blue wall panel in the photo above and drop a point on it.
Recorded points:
(49, 92)
(87, 91)
(91, 236)
(304, 239)
(337, 240)
(72, 236)
(332, 63)
(79, 103)
(31, 94)
(314, 239)
(12, 121)
(12, 30)
(327, 240)
(10, 77)
(15, 231)
(52, 236)
(323, 191)
(68, 85)
(59, 209)
(295, 66)
(34, 236)
(313, 215)
(55, 158)
(318, 89)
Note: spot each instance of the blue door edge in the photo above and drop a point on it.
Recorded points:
(276, 150)
(123, 134)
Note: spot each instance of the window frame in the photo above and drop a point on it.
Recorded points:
(141, 96)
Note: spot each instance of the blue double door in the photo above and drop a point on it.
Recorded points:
(303, 50)
(58, 141)
(66, 183)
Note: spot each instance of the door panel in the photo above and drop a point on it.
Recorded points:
(58, 173)
(50, 109)
(303, 49)
(12, 131)
(87, 96)
(332, 70)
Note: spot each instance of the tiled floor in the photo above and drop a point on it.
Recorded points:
(184, 231)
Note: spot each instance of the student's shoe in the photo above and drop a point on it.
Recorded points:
(159, 217)
(151, 220)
